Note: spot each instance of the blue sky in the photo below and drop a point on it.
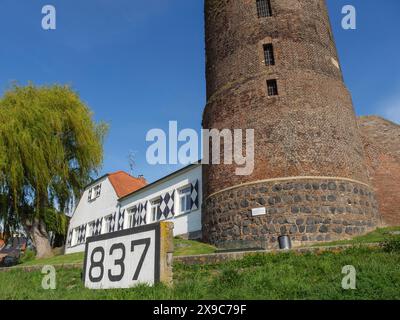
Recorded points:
(140, 63)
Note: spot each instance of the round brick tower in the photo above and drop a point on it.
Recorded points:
(272, 66)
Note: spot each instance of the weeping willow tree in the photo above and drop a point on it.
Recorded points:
(50, 147)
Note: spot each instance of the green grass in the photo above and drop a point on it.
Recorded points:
(60, 259)
(182, 248)
(189, 248)
(377, 236)
(268, 276)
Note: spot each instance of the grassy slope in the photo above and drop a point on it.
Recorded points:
(187, 247)
(272, 276)
(373, 237)
(182, 248)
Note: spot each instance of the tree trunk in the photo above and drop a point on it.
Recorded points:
(40, 239)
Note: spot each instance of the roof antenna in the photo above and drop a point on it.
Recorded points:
(132, 162)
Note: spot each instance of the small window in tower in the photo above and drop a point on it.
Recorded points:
(269, 54)
(264, 8)
(272, 87)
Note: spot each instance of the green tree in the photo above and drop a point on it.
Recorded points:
(50, 147)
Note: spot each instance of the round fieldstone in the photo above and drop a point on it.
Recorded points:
(298, 186)
(297, 198)
(331, 198)
(263, 189)
(246, 223)
(287, 199)
(244, 203)
(332, 186)
(311, 229)
(349, 230)
(272, 211)
(310, 221)
(309, 198)
(323, 229)
(261, 201)
(306, 210)
(288, 186)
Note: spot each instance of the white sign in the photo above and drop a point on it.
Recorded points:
(123, 259)
(258, 212)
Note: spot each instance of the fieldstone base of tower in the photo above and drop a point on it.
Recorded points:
(307, 209)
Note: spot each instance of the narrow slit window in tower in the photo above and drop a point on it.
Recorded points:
(269, 54)
(264, 8)
(272, 87)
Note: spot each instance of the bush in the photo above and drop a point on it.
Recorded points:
(391, 244)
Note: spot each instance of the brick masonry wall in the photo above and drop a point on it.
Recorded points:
(309, 129)
(381, 140)
(309, 210)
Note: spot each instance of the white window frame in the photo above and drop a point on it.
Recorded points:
(187, 196)
(97, 191)
(106, 224)
(131, 215)
(155, 203)
(90, 191)
(74, 238)
(90, 229)
(94, 192)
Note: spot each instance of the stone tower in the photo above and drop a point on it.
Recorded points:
(272, 66)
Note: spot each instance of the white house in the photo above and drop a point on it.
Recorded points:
(118, 201)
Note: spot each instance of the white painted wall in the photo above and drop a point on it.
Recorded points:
(86, 211)
(108, 203)
(183, 224)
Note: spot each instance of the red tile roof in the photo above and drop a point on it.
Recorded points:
(125, 184)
